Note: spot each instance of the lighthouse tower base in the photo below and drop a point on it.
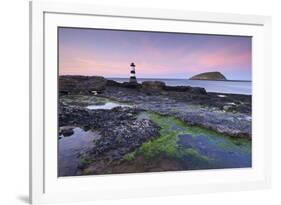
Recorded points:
(133, 80)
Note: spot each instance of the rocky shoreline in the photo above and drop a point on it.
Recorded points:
(123, 129)
(225, 113)
(120, 128)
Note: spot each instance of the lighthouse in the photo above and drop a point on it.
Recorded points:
(133, 73)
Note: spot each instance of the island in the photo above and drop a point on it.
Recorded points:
(209, 76)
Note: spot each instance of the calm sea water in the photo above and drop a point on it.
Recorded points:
(234, 87)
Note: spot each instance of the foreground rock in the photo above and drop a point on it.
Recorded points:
(123, 129)
(209, 76)
(66, 131)
(120, 129)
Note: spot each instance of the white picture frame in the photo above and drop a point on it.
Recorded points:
(46, 187)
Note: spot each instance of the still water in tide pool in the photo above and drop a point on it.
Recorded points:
(72, 147)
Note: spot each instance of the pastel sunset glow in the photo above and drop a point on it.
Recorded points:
(109, 53)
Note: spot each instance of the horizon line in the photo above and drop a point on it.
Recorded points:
(163, 78)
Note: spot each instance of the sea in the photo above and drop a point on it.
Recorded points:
(230, 87)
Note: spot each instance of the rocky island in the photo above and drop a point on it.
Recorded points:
(209, 76)
(149, 126)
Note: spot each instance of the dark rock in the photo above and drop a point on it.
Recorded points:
(230, 114)
(236, 125)
(67, 85)
(153, 85)
(123, 85)
(81, 84)
(204, 110)
(131, 85)
(178, 88)
(113, 83)
(120, 130)
(66, 131)
(189, 89)
(197, 90)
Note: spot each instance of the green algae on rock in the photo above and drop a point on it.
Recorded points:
(194, 147)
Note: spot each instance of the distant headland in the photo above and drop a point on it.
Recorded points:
(209, 76)
(214, 76)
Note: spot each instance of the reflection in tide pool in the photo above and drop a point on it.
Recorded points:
(70, 148)
(219, 152)
(107, 106)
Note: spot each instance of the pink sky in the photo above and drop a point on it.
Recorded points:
(156, 55)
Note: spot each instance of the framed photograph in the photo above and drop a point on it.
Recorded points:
(129, 102)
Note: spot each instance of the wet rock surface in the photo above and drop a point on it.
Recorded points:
(179, 147)
(66, 131)
(122, 128)
(193, 107)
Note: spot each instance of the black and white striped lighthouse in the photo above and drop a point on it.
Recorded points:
(133, 78)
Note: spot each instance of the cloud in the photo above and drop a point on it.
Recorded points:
(153, 58)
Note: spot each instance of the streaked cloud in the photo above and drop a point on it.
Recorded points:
(157, 55)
